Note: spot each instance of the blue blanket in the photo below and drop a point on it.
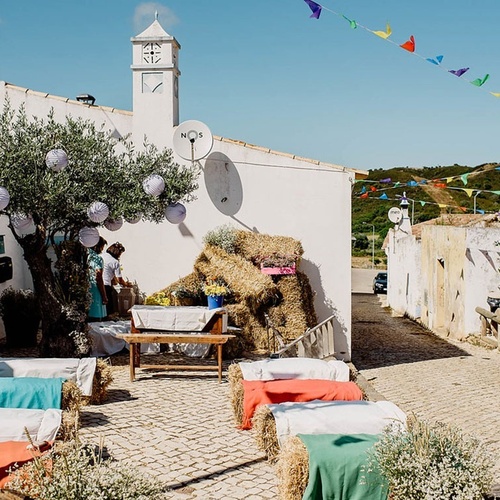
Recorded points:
(31, 392)
(336, 469)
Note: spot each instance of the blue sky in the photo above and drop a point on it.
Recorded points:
(263, 72)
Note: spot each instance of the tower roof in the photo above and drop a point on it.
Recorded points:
(153, 31)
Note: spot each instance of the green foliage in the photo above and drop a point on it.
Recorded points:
(431, 461)
(224, 237)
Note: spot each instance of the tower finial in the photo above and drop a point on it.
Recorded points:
(156, 15)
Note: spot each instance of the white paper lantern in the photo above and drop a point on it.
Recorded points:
(56, 159)
(98, 212)
(154, 185)
(175, 213)
(114, 224)
(22, 222)
(134, 220)
(88, 236)
(4, 198)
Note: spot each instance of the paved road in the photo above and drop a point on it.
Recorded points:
(438, 380)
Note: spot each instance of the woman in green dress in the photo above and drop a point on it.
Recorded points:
(97, 309)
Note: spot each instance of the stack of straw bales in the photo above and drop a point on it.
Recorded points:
(286, 299)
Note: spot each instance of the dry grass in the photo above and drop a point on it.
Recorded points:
(236, 391)
(265, 432)
(292, 469)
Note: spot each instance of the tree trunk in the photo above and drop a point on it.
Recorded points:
(62, 323)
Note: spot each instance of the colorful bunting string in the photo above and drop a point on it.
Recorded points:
(409, 45)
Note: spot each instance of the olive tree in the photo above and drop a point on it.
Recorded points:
(100, 168)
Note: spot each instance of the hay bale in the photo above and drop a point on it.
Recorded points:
(245, 280)
(103, 377)
(236, 391)
(72, 401)
(292, 469)
(251, 245)
(265, 432)
(71, 396)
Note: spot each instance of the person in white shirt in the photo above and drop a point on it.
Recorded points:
(112, 274)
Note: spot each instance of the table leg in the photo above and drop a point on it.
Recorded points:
(219, 361)
(131, 361)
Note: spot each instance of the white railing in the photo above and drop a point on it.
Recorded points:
(317, 342)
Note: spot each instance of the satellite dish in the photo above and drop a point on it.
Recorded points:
(192, 140)
(395, 215)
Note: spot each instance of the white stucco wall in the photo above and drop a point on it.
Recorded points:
(266, 192)
(404, 270)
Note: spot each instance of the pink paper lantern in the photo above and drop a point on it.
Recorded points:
(88, 236)
(175, 213)
(56, 159)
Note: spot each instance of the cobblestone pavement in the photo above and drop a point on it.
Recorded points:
(438, 380)
(180, 429)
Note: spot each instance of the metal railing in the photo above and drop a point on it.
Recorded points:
(317, 342)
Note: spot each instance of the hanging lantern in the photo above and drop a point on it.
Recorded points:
(56, 159)
(21, 222)
(135, 219)
(175, 213)
(4, 198)
(153, 185)
(98, 212)
(88, 236)
(114, 224)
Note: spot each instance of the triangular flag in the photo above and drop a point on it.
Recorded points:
(458, 72)
(384, 34)
(442, 205)
(315, 7)
(363, 190)
(480, 211)
(464, 209)
(448, 179)
(409, 45)
(386, 181)
(469, 192)
(423, 181)
(422, 202)
(364, 195)
(397, 183)
(496, 192)
(436, 61)
(384, 197)
(373, 188)
(463, 177)
(496, 94)
(352, 22)
(440, 185)
(411, 183)
(478, 82)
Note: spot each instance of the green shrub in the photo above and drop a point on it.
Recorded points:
(431, 462)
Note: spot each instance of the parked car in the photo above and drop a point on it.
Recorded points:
(380, 283)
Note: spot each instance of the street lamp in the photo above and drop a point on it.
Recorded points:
(412, 206)
(373, 243)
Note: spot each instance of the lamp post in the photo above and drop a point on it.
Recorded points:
(373, 243)
(412, 206)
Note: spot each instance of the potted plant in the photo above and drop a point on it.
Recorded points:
(181, 296)
(215, 289)
(20, 313)
(277, 263)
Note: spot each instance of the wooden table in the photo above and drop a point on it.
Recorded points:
(212, 332)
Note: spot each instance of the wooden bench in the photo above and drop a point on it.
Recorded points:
(489, 321)
(212, 333)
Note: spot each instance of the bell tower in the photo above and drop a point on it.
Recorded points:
(155, 83)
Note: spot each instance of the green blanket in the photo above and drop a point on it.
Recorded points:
(30, 392)
(336, 468)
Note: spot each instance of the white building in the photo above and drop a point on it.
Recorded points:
(248, 186)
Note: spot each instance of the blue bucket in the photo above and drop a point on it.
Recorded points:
(215, 302)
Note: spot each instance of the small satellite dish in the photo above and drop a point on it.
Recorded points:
(395, 215)
(192, 140)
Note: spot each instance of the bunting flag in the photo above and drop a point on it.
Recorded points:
(365, 195)
(352, 23)
(315, 7)
(385, 181)
(479, 82)
(437, 61)
(384, 34)
(469, 192)
(458, 72)
(449, 179)
(463, 178)
(409, 45)
(384, 197)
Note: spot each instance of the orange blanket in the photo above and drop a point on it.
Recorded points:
(14, 452)
(261, 392)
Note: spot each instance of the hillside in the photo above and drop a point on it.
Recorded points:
(431, 191)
